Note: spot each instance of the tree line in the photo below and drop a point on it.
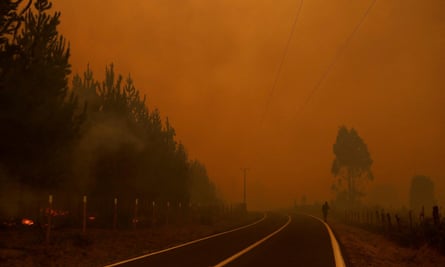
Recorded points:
(88, 137)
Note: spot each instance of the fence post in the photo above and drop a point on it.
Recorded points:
(389, 221)
(50, 210)
(422, 215)
(399, 228)
(153, 217)
(168, 211)
(377, 217)
(135, 219)
(84, 215)
(367, 217)
(383, 219)
(436, 215)
(115, 214)
(371, 217)
(180, 218)
(191, 215)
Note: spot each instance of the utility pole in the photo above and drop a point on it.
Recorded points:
(244, 195)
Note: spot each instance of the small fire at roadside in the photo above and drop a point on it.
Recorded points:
(28, 222)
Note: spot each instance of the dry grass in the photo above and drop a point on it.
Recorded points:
(363, 248)
(98, 247)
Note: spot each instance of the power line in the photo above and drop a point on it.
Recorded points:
(337, 56)
(280, 66)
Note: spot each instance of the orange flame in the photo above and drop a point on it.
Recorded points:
(28, 222)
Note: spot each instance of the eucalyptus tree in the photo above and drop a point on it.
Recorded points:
(352, 164)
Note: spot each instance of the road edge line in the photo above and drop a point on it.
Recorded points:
(186, 244)
(249, 248)
(338, 257)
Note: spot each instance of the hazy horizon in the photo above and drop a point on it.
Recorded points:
(210, 65)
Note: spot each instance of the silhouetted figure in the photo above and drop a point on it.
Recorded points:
(325, 209)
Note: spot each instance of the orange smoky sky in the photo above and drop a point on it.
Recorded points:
(210, 67)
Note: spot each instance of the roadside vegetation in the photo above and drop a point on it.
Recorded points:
(86, 164)
(97, 138)
(100, 246)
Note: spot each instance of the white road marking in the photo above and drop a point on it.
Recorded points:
(185, 244)
(249, 248)
(338, 257)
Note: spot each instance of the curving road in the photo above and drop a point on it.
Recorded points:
(305, 242)
(277, 240)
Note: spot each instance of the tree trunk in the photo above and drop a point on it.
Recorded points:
(351, 187)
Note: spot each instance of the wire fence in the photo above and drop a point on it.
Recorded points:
(406, 227)
(54, 212)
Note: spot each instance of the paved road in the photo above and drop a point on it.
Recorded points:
(303, 242)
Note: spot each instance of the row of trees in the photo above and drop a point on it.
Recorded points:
(132, 151)
(96, 137)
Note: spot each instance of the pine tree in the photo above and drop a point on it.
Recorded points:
(39, 116)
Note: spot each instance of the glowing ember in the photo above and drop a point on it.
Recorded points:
(28, 222)
(54, 212)
(92, 218)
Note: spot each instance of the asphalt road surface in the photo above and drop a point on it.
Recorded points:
(302, 241)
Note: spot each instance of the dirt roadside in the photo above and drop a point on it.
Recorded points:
(100, 247)
(362, 248)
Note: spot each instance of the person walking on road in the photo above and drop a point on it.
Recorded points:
(325, 209)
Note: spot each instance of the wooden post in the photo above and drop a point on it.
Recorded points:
(436, 216)
(368, 217)
(153, 216)
(50, 209)
(422, 215)
(168, 210)
(84, 215)
(376, 217)
(135, 219)
(190, 213)
(399, 226)
(388, 216)
(179, 214)
(115, 214)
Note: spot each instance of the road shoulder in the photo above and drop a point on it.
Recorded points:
(364, 248)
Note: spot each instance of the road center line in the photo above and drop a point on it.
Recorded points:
(186, 244)
(249, 248)
(339, 261)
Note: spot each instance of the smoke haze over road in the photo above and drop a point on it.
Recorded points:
(210, 65)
